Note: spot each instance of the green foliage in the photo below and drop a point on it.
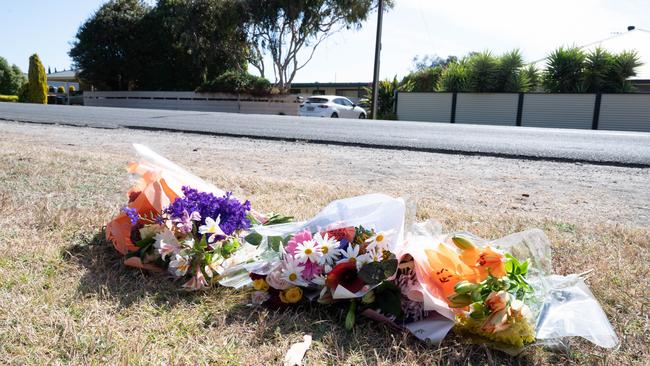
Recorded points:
(530, 75)
(175, 45)
(71, 89)
(11, 78)
(599, 71)
(237, 82)
(482, 72)
(387, 97)
(424, 80)
(455, 78)
(60, 90)
(37, 87)
(565, 71)
(8, 98)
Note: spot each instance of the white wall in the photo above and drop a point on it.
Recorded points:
(625, 112)
(487, 108)
(425, 107)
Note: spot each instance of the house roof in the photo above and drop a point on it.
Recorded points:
(65, 75)
(635, 39)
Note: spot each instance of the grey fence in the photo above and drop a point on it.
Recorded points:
(625, 112)
(211, 102)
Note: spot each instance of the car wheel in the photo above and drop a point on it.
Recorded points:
(335, 115)
(362, 116)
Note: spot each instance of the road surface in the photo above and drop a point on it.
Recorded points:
(599, 147)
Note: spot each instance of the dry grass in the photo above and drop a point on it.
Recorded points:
(65, 298)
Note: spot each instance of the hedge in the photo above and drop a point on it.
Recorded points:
(8, 98)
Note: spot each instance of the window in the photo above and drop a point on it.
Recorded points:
(294, 91)
(318, 92)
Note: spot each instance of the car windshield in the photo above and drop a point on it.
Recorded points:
(317, 100)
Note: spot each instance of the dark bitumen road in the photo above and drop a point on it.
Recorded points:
(597, 147)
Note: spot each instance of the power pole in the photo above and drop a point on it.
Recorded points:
(375, 79)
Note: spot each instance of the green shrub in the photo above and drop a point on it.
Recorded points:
(424, 80)
(455, 78)
(51, 89)
(60, 90)
(237, 82)
(71, 89)
(37, 89)
(8, 98)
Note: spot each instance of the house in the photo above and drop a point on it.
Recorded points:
(353, 91)
(65, 78)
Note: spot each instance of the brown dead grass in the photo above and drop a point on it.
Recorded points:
(65, 298)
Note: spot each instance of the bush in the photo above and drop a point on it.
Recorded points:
(60, 90)
(51, 89)
(8, 98)
(237, 82)
(455, 78)
(37, 89)
(565, 71)
(71, 89)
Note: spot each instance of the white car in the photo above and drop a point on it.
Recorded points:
(332, 106)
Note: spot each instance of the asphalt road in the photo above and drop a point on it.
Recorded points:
(598, 147)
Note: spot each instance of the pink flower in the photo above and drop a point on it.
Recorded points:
(311, 270)
(275, 280)
(197, 281)
(497, 301)
(496, 322)
(297, 239)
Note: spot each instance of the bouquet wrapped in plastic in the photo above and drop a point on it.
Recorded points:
(175, 221)
(500, 292)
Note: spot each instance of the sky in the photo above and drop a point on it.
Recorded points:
(411, 28)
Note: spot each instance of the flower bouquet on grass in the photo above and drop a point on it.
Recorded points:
(345, 254)
(196, 235)
(500, 293)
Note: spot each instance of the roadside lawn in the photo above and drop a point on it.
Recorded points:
(65, 297)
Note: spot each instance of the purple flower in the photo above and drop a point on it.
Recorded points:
(132, 213)
(201, 205)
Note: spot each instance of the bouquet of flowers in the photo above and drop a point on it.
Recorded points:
(194, 235)
(334, 262)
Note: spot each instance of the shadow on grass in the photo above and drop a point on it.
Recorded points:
(369, 340)
(107, 277)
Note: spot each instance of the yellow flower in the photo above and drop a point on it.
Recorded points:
(291, 295)
(260, 285)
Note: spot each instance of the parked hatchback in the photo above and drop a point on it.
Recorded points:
(332, 106)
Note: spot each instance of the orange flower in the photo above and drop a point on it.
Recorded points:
(485, 261)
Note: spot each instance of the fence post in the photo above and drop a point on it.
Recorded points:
(520, 108)
(453, 107)
(594, 123)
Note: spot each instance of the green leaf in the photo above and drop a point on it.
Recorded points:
(254, 238)
(145, 242)
(229, 247)
(275, 242)
(350, 318)
(372, 273)
(388, 299)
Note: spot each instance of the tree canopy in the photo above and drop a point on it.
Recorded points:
(11, 78)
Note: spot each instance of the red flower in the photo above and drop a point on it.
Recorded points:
(346, 275)
(343, 233)
(255, 276)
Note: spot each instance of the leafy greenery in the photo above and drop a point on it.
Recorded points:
(36, 91)
(455, 78)
(237, 82)
(174, 45)
(424, 80)
(60, 89)
(8, 98)
(11, 78)
(387, 97)
(564, 71)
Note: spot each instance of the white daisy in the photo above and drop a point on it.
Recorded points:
(166, 243)
(307, 250)
(350, 254)
(292, 272)
(379, 241)
(212, 228)
(328, 247)
(179, 265)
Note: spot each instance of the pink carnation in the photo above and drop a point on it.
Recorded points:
(297, 239)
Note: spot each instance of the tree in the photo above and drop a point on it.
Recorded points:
(37, 84)
(196, 41)
(455, 77)
(424, 80)
(11, 78)
(284, 28)
(565, 71)
(431, 61)
(106, 49)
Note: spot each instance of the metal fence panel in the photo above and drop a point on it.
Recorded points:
(558, 110)
(625, 112)
(425, 107)
(487, 108)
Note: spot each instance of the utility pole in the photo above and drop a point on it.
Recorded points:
(375, 79)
